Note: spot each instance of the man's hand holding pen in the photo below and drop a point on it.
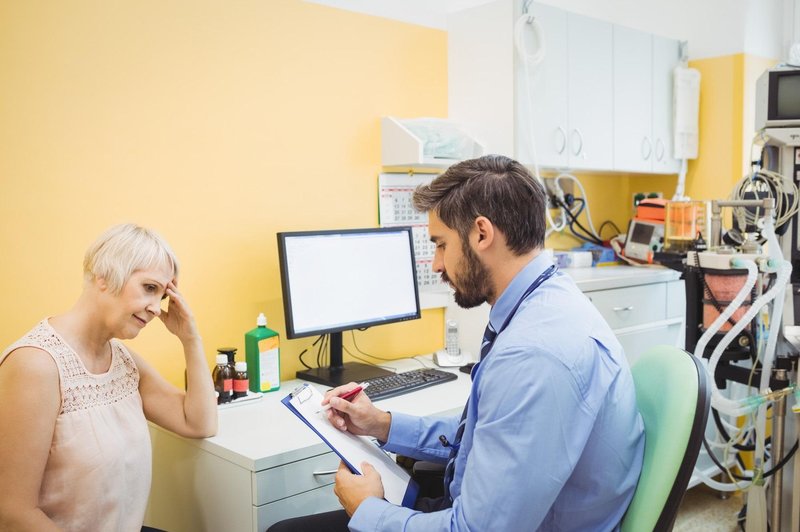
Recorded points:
(357, 415)
(351, 410)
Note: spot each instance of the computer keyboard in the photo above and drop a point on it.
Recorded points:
(407, 381)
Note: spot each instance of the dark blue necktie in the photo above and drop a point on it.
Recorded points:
(489, 336)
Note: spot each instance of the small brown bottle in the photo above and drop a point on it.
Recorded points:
(241, 382)
(223, 380)
(229, 352)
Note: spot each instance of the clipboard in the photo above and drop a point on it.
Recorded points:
(398, 486)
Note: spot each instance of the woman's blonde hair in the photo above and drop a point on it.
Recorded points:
(124, 249)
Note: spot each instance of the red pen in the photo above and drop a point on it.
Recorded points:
(348, 396)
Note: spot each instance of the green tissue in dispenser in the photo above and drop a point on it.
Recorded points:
(262, 351)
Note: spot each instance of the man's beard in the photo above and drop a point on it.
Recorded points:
(472, 285)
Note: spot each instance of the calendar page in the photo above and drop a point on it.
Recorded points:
(395, 208)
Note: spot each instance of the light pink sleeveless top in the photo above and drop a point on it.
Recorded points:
(98, 472)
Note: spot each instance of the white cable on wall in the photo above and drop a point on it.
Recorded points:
(577, 181)
(529, 61)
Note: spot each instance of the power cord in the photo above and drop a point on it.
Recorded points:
(303, 352)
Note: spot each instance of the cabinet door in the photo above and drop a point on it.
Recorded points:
(636, 342)
(633, 105)
(590, 74)
(542, 92)
(666, 55)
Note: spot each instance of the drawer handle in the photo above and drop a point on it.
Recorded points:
(620, 309)
(329, 472)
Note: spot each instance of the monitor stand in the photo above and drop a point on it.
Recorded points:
(339, 373)
(349, 372)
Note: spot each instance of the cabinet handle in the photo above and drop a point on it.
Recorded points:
(647, 148)
(320, 473)
(562, 138)
(576, 134)
(660, 150)
(620, 309)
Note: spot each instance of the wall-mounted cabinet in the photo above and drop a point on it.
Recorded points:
(588, 104)
(643, 65)
(565, 100)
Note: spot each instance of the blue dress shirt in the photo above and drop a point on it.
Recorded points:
(553, 439)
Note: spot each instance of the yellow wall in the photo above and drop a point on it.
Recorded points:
(216, 123)
(727, 117)
(718, 166)
(220, 124)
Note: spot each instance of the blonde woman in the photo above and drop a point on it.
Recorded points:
(74, 444)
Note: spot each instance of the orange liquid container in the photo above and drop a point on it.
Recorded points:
(684, 220)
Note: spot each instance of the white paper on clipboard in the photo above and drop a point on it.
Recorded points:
(398, 486)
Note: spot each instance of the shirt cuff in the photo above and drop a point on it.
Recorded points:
(368, 515)
(402, 425)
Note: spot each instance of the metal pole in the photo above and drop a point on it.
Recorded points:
(796, 483)
(768, 204)
(778, 418)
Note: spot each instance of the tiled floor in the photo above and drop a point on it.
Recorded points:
(702, 510)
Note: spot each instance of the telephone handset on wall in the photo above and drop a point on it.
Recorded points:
(451, 355)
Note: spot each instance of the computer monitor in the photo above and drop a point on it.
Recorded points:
(340, 280)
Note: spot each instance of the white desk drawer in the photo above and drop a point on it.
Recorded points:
(633, 305)
(311, 502)
(295, 477)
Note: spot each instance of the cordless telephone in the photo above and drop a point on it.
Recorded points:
(451, 355)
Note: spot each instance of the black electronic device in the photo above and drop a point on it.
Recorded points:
(467, 368)
(340, 280)
(778, 98)
(405, 382)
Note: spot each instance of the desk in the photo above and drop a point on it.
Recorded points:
(260, 467)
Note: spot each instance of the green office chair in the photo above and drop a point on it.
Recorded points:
(673, 397)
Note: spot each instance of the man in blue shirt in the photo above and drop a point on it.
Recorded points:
(550, 438)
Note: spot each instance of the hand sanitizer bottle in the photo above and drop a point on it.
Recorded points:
(262, 352)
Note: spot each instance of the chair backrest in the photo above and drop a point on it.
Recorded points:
(673, 397)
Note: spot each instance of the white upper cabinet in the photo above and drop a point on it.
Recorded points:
(542, 92)
(633, 100)
(666, 56)
(587, 95)
(565, 101)
(590, 93)
(643, 65)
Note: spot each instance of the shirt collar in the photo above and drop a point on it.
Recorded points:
(508, 299)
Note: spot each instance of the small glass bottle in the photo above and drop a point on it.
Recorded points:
(240, 381)
(229, 352)
(223, 380)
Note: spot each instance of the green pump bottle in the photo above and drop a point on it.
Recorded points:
(262, 352)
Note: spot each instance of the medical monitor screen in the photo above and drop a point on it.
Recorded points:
(335, 281)
(789, 96)
(784, 95)
(642, 233)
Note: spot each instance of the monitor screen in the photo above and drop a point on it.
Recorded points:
(642, 233)
(788, 98)
(784, 95)
(335, 281)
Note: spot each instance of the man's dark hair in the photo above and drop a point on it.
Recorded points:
(494, 186)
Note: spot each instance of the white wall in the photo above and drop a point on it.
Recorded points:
(712, 27)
